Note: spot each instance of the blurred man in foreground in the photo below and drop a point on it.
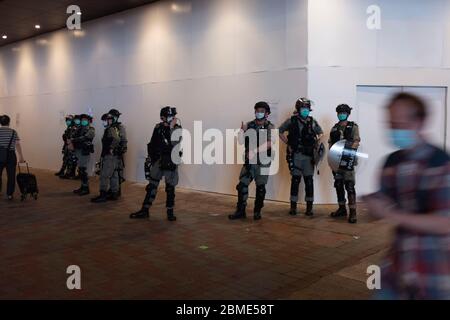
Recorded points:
(415, 197)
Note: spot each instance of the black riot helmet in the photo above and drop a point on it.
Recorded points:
(344, 108)
(168, 112)
(85, 117)
(105, 117)
(263, 105)
(115, 113)
(77, 119)
(303, 103)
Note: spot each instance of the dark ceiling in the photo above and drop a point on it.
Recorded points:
(19, 17)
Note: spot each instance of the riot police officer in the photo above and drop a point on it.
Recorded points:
(109, 176)
(304, 134)
(83, 146)
(160, 163)
(65, 150)
(72, 161)
(254, 168)
(120, 151)
(344, 180)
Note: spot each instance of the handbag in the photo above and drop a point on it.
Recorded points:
(4, 152)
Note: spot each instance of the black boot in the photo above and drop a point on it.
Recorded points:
(84, 191)
(309, 208)
(352, 217)
(341, 212)
(78, 191)
(141, 214)
(170, 215)
(257, 215)
(293, 211)
(239, 214)
(65, 176)
(113, 196)
(103, 197)
(60, 173)
(69, 175)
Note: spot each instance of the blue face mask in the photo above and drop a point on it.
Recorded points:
(403, 139)
(342, 116)
(68, 123)
(304, 113)
(77, 122)
(260, 115)
(84, 123)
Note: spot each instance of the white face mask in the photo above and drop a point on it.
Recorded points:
(260, 115)
(105, 123)
(169, 119)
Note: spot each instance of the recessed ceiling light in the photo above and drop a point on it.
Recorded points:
(5, 37)
(37, 26)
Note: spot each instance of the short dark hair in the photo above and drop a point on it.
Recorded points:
(414, 101)
(5, 120)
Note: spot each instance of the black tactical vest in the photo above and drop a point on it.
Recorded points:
(254, 126)
(336, 132)
(305, 139)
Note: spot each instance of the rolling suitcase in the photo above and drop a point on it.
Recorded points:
(27, 184)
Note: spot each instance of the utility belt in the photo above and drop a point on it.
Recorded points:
(71, 159)
(119, 151)
(164, 160)
(86, 147)
(307, 151)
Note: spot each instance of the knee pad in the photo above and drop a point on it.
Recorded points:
(339, 184)
(350, 187)
(296, 179)
(261, 190)
(242, 188)
(150, 187)
(82, 172)
(170, 189)
(309, 181)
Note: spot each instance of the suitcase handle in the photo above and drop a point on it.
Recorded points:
(28, 169)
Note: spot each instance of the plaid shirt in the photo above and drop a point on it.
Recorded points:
(418, 265)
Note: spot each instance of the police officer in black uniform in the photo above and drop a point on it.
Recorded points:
(160, 163)
(72, 161)
(82, 143)
(120, 151)
(303, 138)
(345, 180)
(65, 150)
(255, 170)
(109, 178)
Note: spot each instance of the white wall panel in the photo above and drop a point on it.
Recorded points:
(411, 49)
(413, 33)
(211, 59)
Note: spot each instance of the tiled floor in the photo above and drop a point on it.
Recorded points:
(201, 256)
